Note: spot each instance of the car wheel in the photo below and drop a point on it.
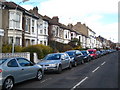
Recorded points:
(8, 84)
(39, 75)
(82, 61)
(59, 69)
(75, 64)
(88, 59)
(70, 65)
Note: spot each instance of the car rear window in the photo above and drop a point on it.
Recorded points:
(2, 61)
(70, 53)
(84, 52)
(52, 57)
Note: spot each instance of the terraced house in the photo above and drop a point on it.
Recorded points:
(42, 27)
(59, 32)
(25, 28)
(83, 30)
(1, 25)
(12, 23)
(92, 38)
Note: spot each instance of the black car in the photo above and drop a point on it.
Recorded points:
(76, 56)
(86, 55)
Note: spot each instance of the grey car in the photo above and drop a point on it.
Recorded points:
(56, 62)
(15, 70)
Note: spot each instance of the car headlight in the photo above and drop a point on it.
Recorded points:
(53, 65)
(72, 58)
(85, 57)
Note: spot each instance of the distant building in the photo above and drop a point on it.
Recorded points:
(59, 32)
(92, 38)
(83, 30)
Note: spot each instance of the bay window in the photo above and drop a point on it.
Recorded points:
(14, 20)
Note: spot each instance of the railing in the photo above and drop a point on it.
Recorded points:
(9, 55)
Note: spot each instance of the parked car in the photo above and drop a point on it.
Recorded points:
(102, 52)
(15, 70)
(56, 62)
(86, 55)
(92, 53)
(98, 54)
(76, 56)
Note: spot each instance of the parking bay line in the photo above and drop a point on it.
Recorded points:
(79, 83)
(103, 63)
(95, 69)
(45, 80)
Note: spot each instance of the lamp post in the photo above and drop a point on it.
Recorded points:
(13, 44)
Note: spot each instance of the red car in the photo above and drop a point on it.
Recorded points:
(92, 53)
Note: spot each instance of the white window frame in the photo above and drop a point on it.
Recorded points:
(13, 19)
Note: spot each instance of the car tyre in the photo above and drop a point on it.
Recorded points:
(88, 59)
(75, 64)
(8, 84)
(70, 66)
(59, 69)
(39, 75)
(82, 62)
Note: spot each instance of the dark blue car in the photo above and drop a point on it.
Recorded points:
(76, 56)
(86, 55)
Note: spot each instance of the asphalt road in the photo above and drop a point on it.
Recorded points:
(98, 73)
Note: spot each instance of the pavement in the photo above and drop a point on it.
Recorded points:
(98, 73)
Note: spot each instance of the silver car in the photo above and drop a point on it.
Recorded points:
(56, 62)
(15, 70)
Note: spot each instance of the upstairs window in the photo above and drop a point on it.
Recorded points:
(45, 31)
(14, 20)
(33, 26)
(27, 27)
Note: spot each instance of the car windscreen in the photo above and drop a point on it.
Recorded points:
(84, 52)
(91, 52)
(2, 61)
(70, 53)
(52, 57)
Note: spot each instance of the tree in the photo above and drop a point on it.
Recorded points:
(75, 43)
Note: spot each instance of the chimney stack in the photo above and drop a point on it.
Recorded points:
(78, 22)
(35, 10)
(70, 26)
(55, 19)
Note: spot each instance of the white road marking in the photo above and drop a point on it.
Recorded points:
(103, 63)
(45, 80)
(79, 83)
(95, 69)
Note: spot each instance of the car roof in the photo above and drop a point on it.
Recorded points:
(11, 57)
(72, 50)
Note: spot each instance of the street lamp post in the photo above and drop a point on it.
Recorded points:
(13, 44)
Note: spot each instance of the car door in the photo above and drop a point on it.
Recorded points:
(28, 70)
(63, 61)
(67, 60)
(14, 70)
(79, 56)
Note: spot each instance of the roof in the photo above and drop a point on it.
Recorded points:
(46, 18)
(12, 5)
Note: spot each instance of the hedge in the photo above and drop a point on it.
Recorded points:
(8, 49)
(40, 49)
(59, 47)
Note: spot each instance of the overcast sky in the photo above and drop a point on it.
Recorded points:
(99, 15)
